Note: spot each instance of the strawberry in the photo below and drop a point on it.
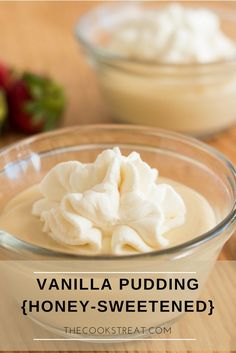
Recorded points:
(35, 103)
(5, 77)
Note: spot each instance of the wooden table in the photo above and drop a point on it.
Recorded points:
(40, 36)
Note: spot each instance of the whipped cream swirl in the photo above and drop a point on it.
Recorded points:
(172, 34)
(115, 200)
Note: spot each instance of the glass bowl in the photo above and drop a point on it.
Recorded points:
(177, 157)
(197, 99)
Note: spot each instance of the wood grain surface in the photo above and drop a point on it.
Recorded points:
(40, 36)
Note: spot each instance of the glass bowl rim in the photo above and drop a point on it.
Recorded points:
(223, 225)
(117, 58)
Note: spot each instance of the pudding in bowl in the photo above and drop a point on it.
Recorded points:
(197, 182)
(170, 66)
(116, 205)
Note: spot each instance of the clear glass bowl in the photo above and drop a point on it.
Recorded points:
(197, 99)
(178, 157)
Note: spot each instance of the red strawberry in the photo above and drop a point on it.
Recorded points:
(35, 103)
(5, 76)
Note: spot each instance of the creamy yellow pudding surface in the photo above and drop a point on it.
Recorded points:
(17, 219)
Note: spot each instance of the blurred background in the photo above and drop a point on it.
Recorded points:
(39, 36)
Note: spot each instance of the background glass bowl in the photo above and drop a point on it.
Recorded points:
(197, 99)
(180, 158)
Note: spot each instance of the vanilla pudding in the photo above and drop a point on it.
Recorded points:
(117, 205)
(173, 67)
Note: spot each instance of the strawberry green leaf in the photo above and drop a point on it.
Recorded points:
(47, 100)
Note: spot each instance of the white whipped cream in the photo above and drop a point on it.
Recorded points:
(115, 199)
(172, 34)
